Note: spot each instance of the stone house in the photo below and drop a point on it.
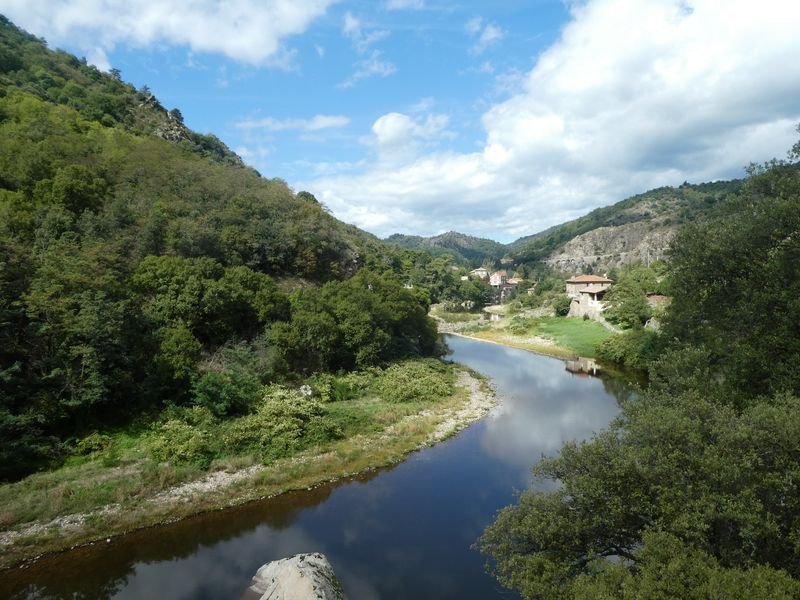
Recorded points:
(587, 293)
(498, 279)
(480, 272)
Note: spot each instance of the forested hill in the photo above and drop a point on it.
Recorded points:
(57, 77)
(133, 251)
(465, 248)
(72, 130)
(637, 229)
(634, 230)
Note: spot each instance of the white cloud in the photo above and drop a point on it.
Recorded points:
(608, 111)
(404, 4)
(397, 136)
(374, 66)
(489, 35)
(361, 39)
(473, 26)
(315, 123)
(248, 31)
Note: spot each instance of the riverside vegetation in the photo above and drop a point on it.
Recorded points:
(169, 318)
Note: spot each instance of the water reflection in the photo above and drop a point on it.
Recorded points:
(404, 532)
(542, 404)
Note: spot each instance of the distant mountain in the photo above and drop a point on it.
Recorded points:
(638, 229)
(464, 247)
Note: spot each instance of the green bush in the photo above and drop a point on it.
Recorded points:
(332, 388)
(93, 443)
(418, 380)
(179, 442)
(561, 304)
(230, 381)
(637, 348)
(521, 325)
(284, 422)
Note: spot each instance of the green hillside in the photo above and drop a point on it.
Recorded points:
(465, 248)
(660, 208)
(142, 265)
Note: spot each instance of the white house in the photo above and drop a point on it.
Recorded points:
(498, 279)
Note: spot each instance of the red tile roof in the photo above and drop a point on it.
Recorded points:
(589, 279)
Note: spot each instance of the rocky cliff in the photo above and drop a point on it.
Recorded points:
(637, 229)
(606, 247)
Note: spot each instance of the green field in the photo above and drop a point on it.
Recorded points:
(557, 336)
(576, 334)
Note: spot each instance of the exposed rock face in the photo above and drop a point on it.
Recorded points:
(300, 577)
(607, 247)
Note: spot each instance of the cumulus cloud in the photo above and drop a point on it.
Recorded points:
(397, 136)
(248, 31)
(315, 123)
(694, 91)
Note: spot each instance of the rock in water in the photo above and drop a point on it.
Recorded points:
(300, 577)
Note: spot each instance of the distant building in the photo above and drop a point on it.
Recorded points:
(588, 283)
(654, 300)
(498, 279)
(480, 272)
(515, 281)
(587, 293)
(464, 278)
(506, 261)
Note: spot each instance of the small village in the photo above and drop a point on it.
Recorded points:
(586, 292)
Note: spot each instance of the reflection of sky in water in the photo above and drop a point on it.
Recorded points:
(542, 405)
(405, 532)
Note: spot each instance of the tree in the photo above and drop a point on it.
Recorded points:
(367, 320)
(684, 466)
(736, 281)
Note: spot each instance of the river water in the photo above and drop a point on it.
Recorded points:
(402, 532)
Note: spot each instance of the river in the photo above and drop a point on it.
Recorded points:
(402, 532)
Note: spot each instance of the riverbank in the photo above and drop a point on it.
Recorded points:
(392, 433)
(534, 331)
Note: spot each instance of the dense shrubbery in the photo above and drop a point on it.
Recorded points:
(281, 421)
(635, 349)
(180, 442)
(367, 320)
(421, 381)
(627, 299)
(284, 421)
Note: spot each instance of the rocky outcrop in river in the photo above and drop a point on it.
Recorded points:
(299, 577)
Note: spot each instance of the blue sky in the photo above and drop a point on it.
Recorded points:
(497, 119)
